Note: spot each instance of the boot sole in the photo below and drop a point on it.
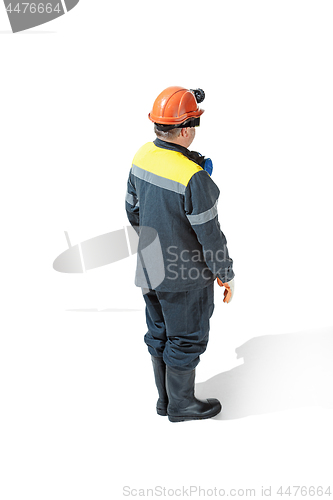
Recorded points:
(194, 417)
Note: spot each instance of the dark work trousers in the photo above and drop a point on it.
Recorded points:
(178, 325)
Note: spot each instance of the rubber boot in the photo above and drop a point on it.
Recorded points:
(183, 405)
(159, 373)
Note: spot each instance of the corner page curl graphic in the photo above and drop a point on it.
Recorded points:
(25, 15)
(112, 247)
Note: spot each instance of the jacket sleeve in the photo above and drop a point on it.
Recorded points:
(132, 203)
(201, 197)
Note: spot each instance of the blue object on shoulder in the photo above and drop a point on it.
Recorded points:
(208, 166)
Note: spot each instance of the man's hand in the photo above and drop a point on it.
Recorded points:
(229, 289)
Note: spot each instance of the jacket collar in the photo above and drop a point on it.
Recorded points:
(191, 155)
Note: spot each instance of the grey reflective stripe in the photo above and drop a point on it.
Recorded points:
(130, 199)
(204, 216)
(157, 180)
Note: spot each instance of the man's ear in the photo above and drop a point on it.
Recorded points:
(184, 132)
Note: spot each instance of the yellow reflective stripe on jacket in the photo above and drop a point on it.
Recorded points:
(171, 165)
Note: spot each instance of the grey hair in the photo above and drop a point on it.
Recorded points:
(169, 135)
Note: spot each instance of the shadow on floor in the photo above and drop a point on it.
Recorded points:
(280, 372)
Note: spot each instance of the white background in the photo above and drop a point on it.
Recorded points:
(77, 395)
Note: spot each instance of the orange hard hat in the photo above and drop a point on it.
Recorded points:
(175, 105)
